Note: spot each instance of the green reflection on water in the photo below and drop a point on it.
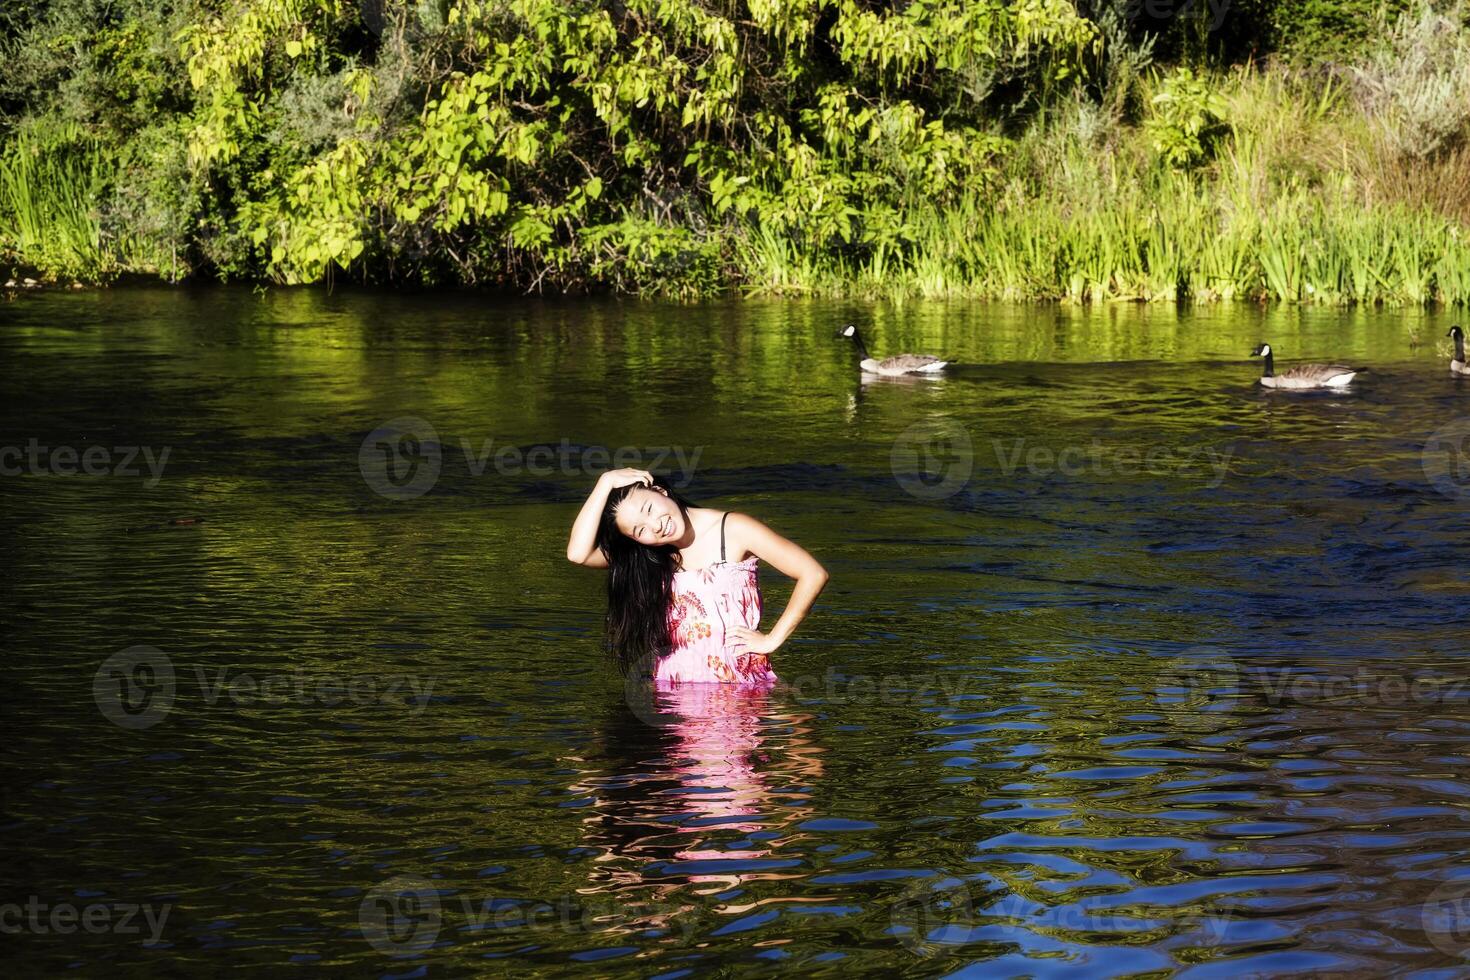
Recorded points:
(1053, 759)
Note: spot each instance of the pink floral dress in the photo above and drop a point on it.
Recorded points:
(707, 601)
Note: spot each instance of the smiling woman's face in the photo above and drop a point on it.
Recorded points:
(649, 517)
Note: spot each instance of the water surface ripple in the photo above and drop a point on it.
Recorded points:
(1125, 667)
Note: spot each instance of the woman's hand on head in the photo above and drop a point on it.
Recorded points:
(582, 545)
(625, 476)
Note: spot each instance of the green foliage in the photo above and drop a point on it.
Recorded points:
(47, 190)
(108, 65)
(675, 147)
(71, 207)
(1334, 31)
(538, 143)
(1186, 119)
(1416, 82)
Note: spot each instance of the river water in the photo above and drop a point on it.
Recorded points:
(1125, 666)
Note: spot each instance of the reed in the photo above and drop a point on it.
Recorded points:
(1294, 209)
(1184, 246)
(48, 211)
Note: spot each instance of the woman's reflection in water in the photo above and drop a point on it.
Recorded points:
(695, 785)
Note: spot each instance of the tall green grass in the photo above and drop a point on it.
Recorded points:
(49, 217)
(1183, 246)
(1296, 208)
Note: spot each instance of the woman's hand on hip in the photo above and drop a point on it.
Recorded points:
(751, 641)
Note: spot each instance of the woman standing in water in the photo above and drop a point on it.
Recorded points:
(681, 584)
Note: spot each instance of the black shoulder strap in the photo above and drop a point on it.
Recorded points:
(722, 535)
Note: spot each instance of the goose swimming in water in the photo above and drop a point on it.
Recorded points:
(1303, 375)
(895, 366)
(1457, 364)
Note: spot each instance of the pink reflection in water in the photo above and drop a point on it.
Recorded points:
(728, 761)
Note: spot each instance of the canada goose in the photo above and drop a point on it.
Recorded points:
(895, 366)
(1303, 375)
(1458, 365)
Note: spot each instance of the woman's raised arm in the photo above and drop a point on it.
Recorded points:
(582, 545)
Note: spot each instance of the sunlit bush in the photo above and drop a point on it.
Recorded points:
(1416, 84)
(1186, 119)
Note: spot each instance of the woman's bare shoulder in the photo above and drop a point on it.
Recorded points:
(741, 530)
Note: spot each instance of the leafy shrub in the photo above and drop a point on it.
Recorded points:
(1326, 31)
(681, 146)
(1186, 119)
(1416, 83)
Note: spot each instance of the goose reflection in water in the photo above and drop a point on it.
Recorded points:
(696, 793)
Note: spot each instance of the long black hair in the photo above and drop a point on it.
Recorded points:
(640, 587)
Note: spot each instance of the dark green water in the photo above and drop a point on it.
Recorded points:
(1125, 667)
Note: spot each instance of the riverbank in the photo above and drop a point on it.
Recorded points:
(637, 157)
(1303, 201)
